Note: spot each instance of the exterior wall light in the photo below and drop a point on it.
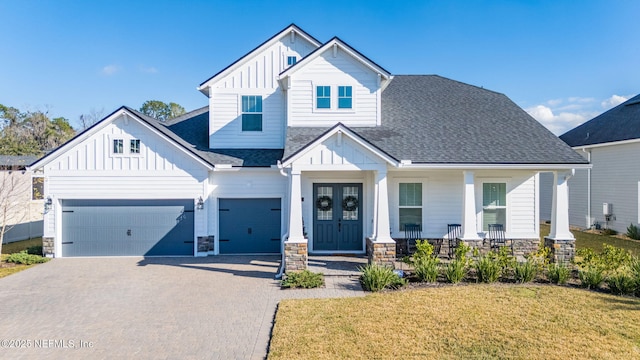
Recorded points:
(48, 204)
(200, 203)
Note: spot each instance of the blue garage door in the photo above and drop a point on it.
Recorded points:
(127, 227)
(249, 226)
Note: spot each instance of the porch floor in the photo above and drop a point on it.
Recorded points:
(337, 265)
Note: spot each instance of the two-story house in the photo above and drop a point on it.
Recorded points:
(306, 147)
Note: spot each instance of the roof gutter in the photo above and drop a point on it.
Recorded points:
(550, 167)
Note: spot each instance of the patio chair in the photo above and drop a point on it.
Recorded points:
(496, 238)
(453, 234)
(412, 232)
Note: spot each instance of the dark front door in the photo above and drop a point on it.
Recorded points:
(337, 224)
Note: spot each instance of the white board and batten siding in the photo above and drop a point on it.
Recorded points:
(255, 75)
(327, 70)
(90, 170)
(442, 193)
(339, 151)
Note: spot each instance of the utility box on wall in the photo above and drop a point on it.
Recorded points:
(607, 209)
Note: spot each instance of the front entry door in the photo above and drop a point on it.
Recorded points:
(337, 224)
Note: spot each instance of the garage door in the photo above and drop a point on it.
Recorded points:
(249, 226)
(127, 227)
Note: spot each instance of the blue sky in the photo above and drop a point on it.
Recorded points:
(562, 61)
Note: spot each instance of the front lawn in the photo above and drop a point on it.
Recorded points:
(469, 321)
(595, 241)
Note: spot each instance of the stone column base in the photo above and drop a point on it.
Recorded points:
(562, 250)
(48, 247)
(205, 243)
(381, 253)
(295, 256)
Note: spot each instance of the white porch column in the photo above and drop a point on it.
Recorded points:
(560, 207)
(295, 208)
(469, 224)
(381, 248)
(383, 227)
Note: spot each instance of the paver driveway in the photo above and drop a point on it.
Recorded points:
(160, 308)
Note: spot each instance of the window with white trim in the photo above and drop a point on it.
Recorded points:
(345, 99)
(291, 60)
(252, 113)
(118, 146)
(409, 204)
(494, 204)
(323, 97)
(134, 146)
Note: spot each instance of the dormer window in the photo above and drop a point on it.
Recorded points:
(252, 113)
(323, 97)
(345, 101)
(291, 60)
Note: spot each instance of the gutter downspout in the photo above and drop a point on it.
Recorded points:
(286, 235)
(588, 187)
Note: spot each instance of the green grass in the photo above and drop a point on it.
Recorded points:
(488, 321)
(595, 241)
(18, 246)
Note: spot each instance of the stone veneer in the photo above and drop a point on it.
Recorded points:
(205, 243)
(48, 247)
(296, 256)
(381, 253)
(562, 251)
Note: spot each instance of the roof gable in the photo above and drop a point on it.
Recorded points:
(618, 124)
(127, 114)
(291, 30)
(333, 45)
(356, 152)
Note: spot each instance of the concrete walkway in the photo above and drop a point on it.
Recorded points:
(149, 308)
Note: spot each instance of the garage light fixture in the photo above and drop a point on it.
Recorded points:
(200, 203)
(48, 204)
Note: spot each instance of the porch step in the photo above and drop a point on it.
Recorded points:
(345, 266)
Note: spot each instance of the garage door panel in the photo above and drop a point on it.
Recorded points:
(127, 227)
(249, 225)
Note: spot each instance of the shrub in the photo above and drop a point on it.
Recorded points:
(540, 258)
(377, 277)
(622, 283)
(423, 250)
(455, 271)
(526, 271)
(591, 277)
(24, 258)
(609, 232)
(634, 269)
(558, 273)
(426, 269)
(303, 279)
(35, 250)
(633, 232)
(461, 252)
(488, 268)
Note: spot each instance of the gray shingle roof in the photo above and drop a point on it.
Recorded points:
(192, 131)
(618, 124)
(431, 119)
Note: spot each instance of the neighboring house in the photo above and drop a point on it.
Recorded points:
(20, 199)
(611, 142)
(306, 147)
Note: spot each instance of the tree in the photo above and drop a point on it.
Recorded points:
(160, 110)
(12, 203)
(31, 133)
(92, 117)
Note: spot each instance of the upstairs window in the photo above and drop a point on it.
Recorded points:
(252, 113)
(323, 97)
(134, 146)
(345, 101)
(291, 60)
(494, 204)
(118, 146)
